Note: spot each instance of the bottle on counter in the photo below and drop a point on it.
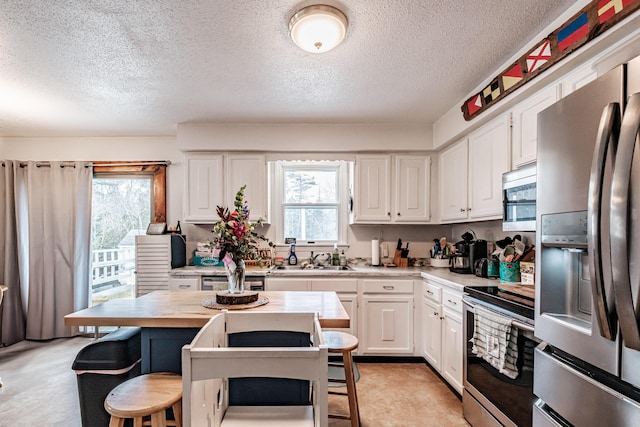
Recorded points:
(293, 259)
(335, 257)
(343, 259)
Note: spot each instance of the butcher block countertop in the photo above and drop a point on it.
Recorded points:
(182, 309)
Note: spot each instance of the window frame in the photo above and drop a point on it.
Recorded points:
(144, 168)
(342, 169)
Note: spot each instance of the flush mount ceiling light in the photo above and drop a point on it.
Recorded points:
(318, 28)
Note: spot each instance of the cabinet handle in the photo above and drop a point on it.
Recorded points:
(452, 302)
(429, 292)
(435, 313)
(398, 213)
(388, 287)
(388, 213)
(462, 210)
(468, 209)
(184, 286)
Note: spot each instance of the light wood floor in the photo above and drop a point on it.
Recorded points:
(40, 389)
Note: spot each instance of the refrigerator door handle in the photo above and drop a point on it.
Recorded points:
(607, 139)
(620, 223)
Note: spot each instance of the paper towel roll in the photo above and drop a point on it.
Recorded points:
(375, 252)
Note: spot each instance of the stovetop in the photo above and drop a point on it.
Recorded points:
(509, 300)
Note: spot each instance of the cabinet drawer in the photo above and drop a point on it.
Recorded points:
(184, 283)
(452, 300)
(432, 292)
(336, 285)
(388, 286)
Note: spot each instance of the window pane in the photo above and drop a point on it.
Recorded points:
(310, 186)
(121, 209)
(310, 223)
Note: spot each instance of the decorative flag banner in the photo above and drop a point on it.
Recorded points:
(608, 8)
(573, 32)
(590, 22)
(474, 104)
(512, 77)
(539, 56)
(491, 92)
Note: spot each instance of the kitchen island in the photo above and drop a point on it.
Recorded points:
(170, 319)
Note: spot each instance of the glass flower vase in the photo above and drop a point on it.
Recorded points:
(236, 278)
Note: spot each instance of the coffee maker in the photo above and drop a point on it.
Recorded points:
(468, 250)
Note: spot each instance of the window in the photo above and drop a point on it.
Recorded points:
(310, 201)
(125, 199)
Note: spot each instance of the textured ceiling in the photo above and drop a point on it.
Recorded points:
(114, 67)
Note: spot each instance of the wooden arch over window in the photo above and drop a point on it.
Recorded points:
(156, 169)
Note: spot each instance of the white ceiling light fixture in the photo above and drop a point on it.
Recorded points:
(318, 28)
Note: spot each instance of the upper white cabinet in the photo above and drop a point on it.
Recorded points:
(412, 188)
(578, 78)
(453, 173)
(471, 173)
(489, 158)
(525, 124)
(377, 179)
(249, 170)
(213, 180)
(203, 190)
(372, 189)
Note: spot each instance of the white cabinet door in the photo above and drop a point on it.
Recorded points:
(489, 158)
(372, 198)
(249, 170)
(525, 124)
(577, 79)
(287, 284)
(452, 348)
(452, 174)
(388, 324)
(203, 190)
(412, 189)
(432, 333)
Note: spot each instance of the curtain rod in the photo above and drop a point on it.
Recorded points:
(86, 165)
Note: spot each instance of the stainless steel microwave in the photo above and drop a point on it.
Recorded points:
(519, 199)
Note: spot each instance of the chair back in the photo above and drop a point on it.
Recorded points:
(208, 363)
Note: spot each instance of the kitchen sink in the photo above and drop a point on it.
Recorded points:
(317, 267)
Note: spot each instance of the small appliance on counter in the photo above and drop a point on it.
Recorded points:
(468, 251)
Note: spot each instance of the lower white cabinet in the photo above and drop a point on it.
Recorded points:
(442, 337)
(387, 325)
(432, 325)
(347, 291)
(184, 283)
(287, 284)
(452, 340)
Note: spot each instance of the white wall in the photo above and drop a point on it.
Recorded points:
(305, 137)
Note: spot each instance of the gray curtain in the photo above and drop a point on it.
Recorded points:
(54, 232)
(12, 314)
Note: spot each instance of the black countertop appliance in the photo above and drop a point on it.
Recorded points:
(468, 250)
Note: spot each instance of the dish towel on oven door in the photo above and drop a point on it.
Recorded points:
(496, 341)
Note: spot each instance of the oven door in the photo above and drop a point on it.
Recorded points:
(490, 397)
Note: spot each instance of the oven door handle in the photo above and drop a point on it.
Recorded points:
(514, 322)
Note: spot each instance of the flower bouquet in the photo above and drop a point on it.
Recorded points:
(235, 240)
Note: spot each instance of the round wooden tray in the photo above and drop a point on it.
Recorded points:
(214, 304)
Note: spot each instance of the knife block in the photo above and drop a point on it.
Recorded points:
(397, 257)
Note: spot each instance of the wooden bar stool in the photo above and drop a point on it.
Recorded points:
(146, 395)
(343, 343)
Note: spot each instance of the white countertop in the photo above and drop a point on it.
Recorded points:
(441, 275)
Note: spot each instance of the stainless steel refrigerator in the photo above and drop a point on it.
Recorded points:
(587, 371)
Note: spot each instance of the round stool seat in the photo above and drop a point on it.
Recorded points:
(339, 341)
(146, 395)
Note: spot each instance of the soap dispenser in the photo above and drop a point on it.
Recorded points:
(293, 259)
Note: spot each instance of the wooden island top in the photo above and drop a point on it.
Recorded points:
(182, 309)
